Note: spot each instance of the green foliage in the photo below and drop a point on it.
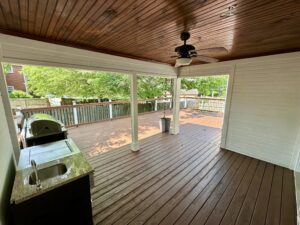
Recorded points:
(19, 94)
(207, 86)
(151, 87)
(61, 82)
(6, 68)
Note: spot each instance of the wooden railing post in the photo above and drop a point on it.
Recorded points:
(75, 113)
(110, 110)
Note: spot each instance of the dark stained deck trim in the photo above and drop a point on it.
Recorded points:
(187, 179)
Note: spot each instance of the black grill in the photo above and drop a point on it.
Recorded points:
(41, 129)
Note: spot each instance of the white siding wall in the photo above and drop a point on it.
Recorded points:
(263, 110)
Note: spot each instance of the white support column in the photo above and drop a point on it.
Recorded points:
(9, 117)
(176, 105)
(134, 113)
(227, 106)
(155, 105)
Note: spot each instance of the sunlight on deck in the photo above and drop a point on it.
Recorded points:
(96, 138)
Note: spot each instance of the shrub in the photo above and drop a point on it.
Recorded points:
(19, 94)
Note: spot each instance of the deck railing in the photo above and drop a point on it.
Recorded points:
(203, 103)
(73, 115)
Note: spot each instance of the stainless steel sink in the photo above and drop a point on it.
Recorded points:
(47, 173)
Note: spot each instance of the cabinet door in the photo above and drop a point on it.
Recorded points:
(68, 204)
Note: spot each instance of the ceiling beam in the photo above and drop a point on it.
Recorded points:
(26, 51)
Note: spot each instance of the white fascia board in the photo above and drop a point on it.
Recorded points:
(26, 51)
(221, 68)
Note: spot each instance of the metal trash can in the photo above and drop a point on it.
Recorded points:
(41, 129)
(165, 124)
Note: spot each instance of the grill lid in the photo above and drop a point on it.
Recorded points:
(44, 124)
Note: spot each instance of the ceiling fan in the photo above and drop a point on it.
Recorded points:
(186, 52)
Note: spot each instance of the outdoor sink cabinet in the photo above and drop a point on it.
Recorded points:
(52, 186)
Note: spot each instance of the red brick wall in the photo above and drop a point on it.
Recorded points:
(16, 79)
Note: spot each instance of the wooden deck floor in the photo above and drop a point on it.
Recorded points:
(187, 179)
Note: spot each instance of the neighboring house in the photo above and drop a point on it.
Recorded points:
(15, 79)
(185, 93)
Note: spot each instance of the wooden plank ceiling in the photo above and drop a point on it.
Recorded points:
(150, 29)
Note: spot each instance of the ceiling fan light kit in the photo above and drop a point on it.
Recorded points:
(183, 62)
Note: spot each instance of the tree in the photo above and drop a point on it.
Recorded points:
(208, 85)
(151, 87)
(60, 82)
(188, 83)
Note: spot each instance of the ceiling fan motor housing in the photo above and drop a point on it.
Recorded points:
(185, 36)
(185, 51)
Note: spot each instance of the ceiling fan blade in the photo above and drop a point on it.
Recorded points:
(213, 51)
(206, 59)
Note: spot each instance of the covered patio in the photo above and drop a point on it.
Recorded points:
(245, 172)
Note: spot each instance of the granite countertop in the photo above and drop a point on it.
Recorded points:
(47, 152)
(77, 167)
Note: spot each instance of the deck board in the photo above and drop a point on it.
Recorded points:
(187, 179)
(273, 213)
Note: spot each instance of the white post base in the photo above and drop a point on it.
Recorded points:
(135, 146)
(174, 130)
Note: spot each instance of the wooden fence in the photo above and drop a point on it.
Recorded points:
(28, 103)
(72, 115)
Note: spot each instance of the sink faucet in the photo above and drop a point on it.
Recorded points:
(37, 180)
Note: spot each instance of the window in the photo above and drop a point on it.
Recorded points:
(10, 69)
(10, 89)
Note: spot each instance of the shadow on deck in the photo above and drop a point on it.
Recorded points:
(187, 179)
